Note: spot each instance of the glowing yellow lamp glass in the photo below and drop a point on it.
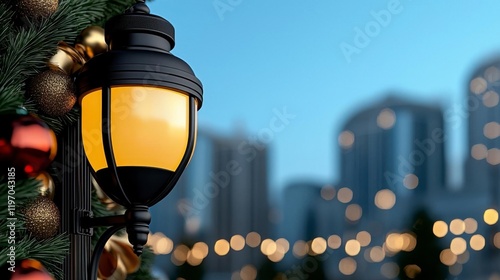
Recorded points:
(149, 127)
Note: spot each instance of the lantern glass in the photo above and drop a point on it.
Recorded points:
(149, 127)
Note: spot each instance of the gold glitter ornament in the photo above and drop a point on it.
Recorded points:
(37, 9)
(91, 42)
(42, 218)
(53, 91)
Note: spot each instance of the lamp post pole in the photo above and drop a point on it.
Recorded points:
(75, 194)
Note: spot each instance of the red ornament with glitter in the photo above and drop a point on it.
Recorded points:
(26, 143)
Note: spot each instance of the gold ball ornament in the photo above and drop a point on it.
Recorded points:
(91, 42)
(53, 91)
(37, 9)
(47, 187)
(42, 218)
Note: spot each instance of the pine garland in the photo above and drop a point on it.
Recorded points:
(24, 51)
(28, 48)
(50, 252)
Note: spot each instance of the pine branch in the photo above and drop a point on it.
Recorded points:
(30, 47)
(10, 98)
(115, 7)
(50, 252)
(6, 15)
(55, 123)
(26, 190)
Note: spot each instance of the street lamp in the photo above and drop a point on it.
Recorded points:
(139, 109)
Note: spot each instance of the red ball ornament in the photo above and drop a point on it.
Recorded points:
(29, 269)
(26, 143)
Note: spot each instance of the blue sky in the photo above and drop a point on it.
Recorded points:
(256, 57)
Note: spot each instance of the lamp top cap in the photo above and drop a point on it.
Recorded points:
(137, 19)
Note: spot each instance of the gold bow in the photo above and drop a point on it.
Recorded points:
(117, 260)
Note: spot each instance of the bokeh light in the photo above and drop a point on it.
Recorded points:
(447, 257)
(493, 156)
(180, 254)
(300, 248)
(364, 238)
(394, 242)
(412, 271)
(377, 254)
(318, 245)
(346, 139)
(385, 199)
(490, 99)
(164, 245)
(496, 240)
(386, 119)
(478, 85)
(410, 181)
(344, 195)
(248, 272)
(282, 245)
(200, 250)
(470, 225)
(268, 247)
(253, 239)
(458, 245)
(353, 212)
(328, 192)
(479, 151)
(237, 242)
(221, 247)
(334, 241)
(490, 216)
(347, 266)
(440, 228)
(457, 227)
(352, 247)
(491, 130)
(477, 242)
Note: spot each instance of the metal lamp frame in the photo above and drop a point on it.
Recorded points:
(139, 55)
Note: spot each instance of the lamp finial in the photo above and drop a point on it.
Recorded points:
(139, 7)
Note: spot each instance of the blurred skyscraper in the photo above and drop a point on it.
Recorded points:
(483, 162)
(184, 215)
(240, 205)
(300, 221)
(393, 149)
(482, 167)
(221, 194)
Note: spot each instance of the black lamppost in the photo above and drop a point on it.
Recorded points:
(138, 127)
